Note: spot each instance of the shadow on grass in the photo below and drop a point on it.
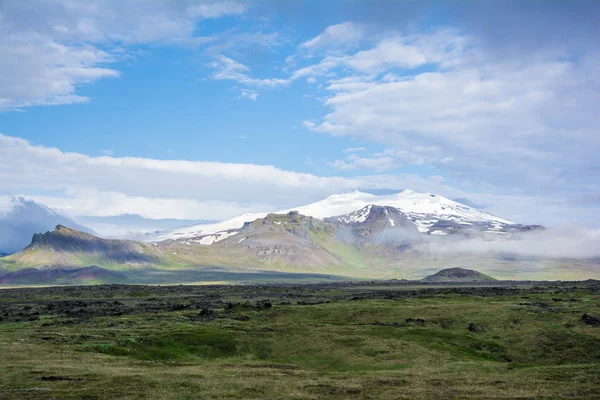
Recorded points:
(203, 343)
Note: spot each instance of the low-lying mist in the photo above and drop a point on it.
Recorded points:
(565, 241)
(558, 242)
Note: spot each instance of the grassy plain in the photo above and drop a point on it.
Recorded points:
(312, 341)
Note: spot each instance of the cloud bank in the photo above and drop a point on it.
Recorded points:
(567, 241)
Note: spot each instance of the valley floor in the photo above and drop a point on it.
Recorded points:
(388, 340)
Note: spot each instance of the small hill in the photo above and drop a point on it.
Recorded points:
(458, 275)
(66, 247)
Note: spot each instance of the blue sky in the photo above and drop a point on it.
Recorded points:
(207, 109)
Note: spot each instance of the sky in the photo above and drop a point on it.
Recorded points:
(210, 109)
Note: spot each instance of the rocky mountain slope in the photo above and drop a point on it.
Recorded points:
(291, 242)
(66, 247)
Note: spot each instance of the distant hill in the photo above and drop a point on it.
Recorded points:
(66, 247)
(458, 275)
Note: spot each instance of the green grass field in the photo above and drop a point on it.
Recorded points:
(522, 344)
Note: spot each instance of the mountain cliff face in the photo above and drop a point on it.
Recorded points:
(66, 247)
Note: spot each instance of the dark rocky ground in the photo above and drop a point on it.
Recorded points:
(77, 303)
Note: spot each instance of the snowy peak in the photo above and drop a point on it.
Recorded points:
(355, 217)
(374, 222)
(428, 203)
(407, 201)
(374, 217)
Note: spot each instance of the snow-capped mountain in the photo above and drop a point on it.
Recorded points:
(423, 209)
(431, 213)
(208, 233)
(374, 217)
(373, 220)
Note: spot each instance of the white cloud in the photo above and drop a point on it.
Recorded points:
(388, 53)
(216, 10)
(314, 70)
(379, 163)
(344, 34)
(385, 160)
(249, 94)
(354, 149)
(39, 71)
(49, 48)
(309, 124)
(89, 202)
(172, 188)
(444, 48)
(229, 69)
(484, 121)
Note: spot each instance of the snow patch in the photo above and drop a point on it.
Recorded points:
(217, 237)
(438, 232)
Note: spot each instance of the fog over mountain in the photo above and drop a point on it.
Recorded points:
(21, 218)
(133, 226)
